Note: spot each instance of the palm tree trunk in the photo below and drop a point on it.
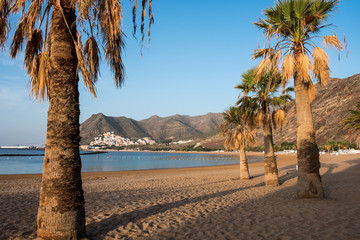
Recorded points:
(309, 180)
(270, 165)
(61, 213)
(244, 168)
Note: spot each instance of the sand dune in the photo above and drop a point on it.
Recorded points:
(200, 203)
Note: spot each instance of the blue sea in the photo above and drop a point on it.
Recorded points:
(24, 161)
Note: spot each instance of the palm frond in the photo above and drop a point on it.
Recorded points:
(333, 41)
(33, 47)
(287, 68)
(92, 57)
(303, 67)
(352, 124)
(278, 118)
(89, 82)
(321, 65)
(4, 23)
(113, 38)
(39, 75)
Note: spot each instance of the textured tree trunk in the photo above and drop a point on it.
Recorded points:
(309, 180)
(244, 168)
(61, 213)
(270, 165)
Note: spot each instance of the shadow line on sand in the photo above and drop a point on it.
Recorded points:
(117, 220)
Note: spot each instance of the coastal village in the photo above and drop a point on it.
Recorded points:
(109, 139)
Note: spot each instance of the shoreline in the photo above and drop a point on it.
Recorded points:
(281, 161)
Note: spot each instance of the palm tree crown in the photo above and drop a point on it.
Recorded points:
(235, 130)
(262, 96)
(295, 24)
(98, 29)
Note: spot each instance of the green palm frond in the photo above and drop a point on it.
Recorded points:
(352, 123)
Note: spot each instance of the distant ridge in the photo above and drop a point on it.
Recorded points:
(177, 127)
(330, 106)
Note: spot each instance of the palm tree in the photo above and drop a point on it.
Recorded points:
(261, 101)
(295, 24)
(352, 123)
(237, 135)
(54, 54)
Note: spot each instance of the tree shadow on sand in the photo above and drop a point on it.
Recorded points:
(117, 220)
(281, 215)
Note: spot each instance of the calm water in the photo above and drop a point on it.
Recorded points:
(115, 161)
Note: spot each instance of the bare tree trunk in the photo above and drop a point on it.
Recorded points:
(244, 168)
(61, 213)
(270, 165)
(309, 180)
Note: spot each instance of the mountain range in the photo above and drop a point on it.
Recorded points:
(330, 106)
(177, 127)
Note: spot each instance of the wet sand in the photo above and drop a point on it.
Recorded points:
(199, 203)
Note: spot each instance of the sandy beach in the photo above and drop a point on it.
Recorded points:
(200, 203)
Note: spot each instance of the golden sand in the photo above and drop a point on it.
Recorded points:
(199, 203)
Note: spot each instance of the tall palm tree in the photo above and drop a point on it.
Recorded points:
(293, 25)
(237, 135)
(261, 102)
(352, 123)
(54, 54)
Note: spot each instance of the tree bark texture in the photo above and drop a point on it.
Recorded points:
(61, 213)
(309, 181)
(270, 165)
(244, 168)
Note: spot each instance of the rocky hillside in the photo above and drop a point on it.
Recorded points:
(178, 127)
(330, 106)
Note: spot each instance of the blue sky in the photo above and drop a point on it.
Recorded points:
(197, 53)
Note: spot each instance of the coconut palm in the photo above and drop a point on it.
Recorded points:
(261, 102)
(237, 135)
(54, 32)
(291, 27)
(352, 123)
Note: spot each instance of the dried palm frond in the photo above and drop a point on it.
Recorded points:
(143, 13)
(4, 30)
(278, 118)
(4, 23)
(263, 67)
(39, 75)
(262, 53)
(259, 118)
(311, 90)
(33, 47)
(83, 8)
(134, 17)
(151, 19)
(32, 14)
(321, 65)
(88, 81)
(18, 39)
(92, 57)
(112, 40)
(333, 41)
(287, 68)
(17, 5)
(303, 67)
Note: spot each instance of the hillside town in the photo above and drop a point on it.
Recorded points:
(109, 139)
